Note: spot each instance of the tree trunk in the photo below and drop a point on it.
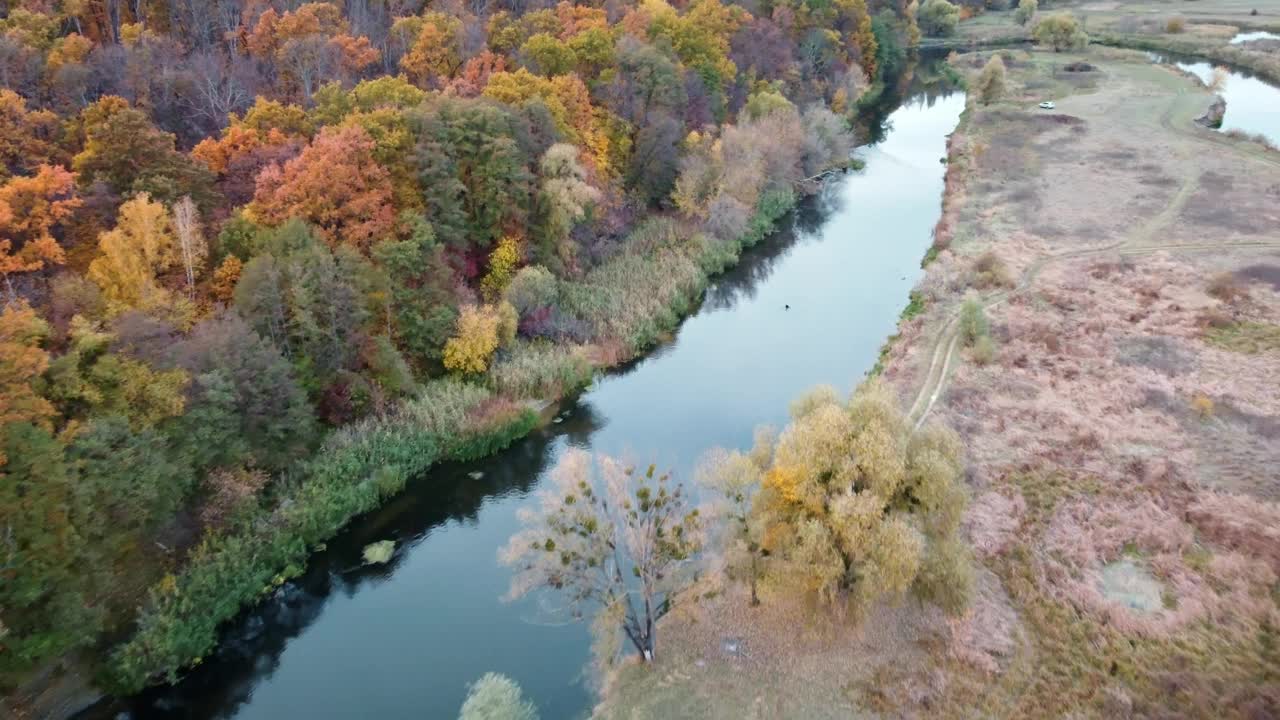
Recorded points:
(755, 598)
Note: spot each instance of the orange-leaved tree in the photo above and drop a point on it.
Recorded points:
(22, 362)
(335, 184)
(29, 209)
(436, 53)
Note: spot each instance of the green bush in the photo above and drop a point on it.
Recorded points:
(973, 322)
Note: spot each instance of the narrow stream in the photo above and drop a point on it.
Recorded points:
(1245, 37)
(1253, 104)
(402, 640)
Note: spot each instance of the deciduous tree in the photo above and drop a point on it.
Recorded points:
(938, 18)
(990, 84)
(617, 542)
(1026, 10)
(22, 362)
(335, 184)
(27, 137)
(470, 350)
(567, 197)
(191, 242)
(436, 52)
(853, 503)
(124, 150)
(30, 208)
(1061, 32)
(134, 255)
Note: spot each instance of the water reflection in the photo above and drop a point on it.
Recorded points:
(402, 640)
(1245, 37)
(1253, 104)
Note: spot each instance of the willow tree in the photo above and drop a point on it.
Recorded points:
(856, 507)
(617, 541)
(734, 477)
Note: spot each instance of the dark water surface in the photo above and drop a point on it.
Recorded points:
(402, 640)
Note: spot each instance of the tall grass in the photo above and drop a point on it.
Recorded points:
(357, 469)
(643, 292)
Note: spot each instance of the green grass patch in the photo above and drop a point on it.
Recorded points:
(1246, 337)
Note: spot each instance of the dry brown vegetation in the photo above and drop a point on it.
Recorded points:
(1122, 434)
(1123, 441)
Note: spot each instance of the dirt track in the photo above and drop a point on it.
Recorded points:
(1176, 119)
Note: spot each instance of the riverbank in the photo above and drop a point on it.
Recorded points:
(1125, 296)
(1120, 454)
(856, 243)
(363, 465)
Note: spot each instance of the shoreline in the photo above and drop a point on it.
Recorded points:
(401, 463)
(1041, 636)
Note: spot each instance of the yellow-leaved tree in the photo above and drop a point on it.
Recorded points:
(469, 351)
(854, 505)
(140, 248)
(504, 261)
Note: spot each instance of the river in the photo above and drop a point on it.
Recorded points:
(402, 640)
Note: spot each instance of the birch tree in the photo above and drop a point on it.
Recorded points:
(191, 242)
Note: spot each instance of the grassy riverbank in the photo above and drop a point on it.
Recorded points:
(639, 296)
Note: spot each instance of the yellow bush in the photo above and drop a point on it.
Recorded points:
(1203, 405)
(471, 349)
(504, 261)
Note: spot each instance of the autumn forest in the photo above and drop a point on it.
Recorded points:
(264, 260)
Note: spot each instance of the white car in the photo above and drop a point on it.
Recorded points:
(1047, 105)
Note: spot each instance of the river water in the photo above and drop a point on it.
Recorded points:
(402, 640)
(1253, 104)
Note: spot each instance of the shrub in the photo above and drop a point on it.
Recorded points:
(991, 81)
(984, 350)
(1227, 288)
(1175, 24)
(1202, 405)
(532, 287)
(1061, 32)
(990, 272)
(973, 322)
(1026, 10)
(229, 493)
(938, 18)
(496, 697)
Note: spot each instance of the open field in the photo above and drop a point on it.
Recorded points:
(1122, 422)
(1190, 27)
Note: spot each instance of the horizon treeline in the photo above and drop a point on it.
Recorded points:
(228, 227)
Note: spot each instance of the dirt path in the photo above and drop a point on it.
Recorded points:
(1138, 242)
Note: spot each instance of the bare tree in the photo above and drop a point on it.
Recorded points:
(219, 87)
(186, 223)
(621, 542)
(308, 61)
